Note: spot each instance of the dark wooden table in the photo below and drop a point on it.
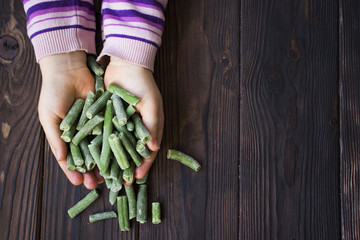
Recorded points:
(264, 93)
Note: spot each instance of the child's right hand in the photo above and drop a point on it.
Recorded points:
(65, 78)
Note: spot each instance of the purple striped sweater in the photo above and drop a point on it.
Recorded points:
(131, 29)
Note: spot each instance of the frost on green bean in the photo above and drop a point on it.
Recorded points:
(72, 115)
(130, 126)
(141, 204)
(184, 159)
(83, 203)
(156, 213)
(128, 174)
(98, 129)
(112, 196)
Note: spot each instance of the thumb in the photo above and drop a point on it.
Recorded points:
(58, 147)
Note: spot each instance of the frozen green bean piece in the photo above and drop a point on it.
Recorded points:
(124, 130)
(116, 185)
(112, 196)
(70, 162)
(102, 216)
(130, 149)
(141, 204)
(184, 159)
(142, 180)
(108, 128)
(84, 203)
(142, 149)
(89, 160)
(130, 110)
(98, 129)
(118, 151)
(98, 105)
(97, 140)
(72, 115)
(130, 193)
(93, 65)
(156, 213)
(66, 136)
(81, 169)
(126, 96)
(108, 182)
(140, 129)
(130, 126)
(76, 154)
(95, 152)
(119, 109)
(114, 169)
(128, 174)
(90, 99)
(86, 129)
(99, 86)
(123, 213)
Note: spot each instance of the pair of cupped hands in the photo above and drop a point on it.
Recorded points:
(66, 77)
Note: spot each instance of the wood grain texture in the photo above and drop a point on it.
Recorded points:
(349, 28)
(21, 138)
(289, 152)
(198, 75)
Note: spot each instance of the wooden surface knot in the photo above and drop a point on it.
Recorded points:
(9, 47)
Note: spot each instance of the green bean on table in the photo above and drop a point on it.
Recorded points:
(141, 204)
(83, 203)
(102, 216)
(130, 193)
(156, 213)
(123, 213)
(184, 159)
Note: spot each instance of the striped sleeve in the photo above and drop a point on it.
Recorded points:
(55, 26)
(132, 29)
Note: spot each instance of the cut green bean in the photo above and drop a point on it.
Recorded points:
(130, 126)
(140, 129)
(98, 129)
(95, 152)
(116, 185)
(124, 130)
(142, 149)
(142, 180)
(126, 96)
(70, 162)
(106, 175)
(108, 128)
(99, 86)
(130, 193)
(130, 110)
(72, 115)
(130, 149)
(123, 213)
(184, 159)
(141, 204)
(119, 109)
(81, 169)
(112, 196)
(98, 105)
(76, 154)
(93, 65)
(156, 213)
(89, 160)
(108, 182)
(114, 169)
(84, 203)
(97, 140)
(86, 129)
(128, 174)
(90, 99)
(118, 151)
(102, 216)
(67, 136)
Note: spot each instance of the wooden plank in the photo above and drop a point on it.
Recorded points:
(350, 115)
(289, 154)
(198, 75)
(21, 138)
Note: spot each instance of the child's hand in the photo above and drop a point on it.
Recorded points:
(65, 78)
(140, 82)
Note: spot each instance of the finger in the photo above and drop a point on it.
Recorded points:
(153, 119)
(58, 147)
(98, 177)
(128, 183)
(90, 181)
(141, 171)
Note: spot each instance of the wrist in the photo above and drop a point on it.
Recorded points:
(128, 65)
(63, 62)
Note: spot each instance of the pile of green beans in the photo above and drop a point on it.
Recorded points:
(106, 132)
